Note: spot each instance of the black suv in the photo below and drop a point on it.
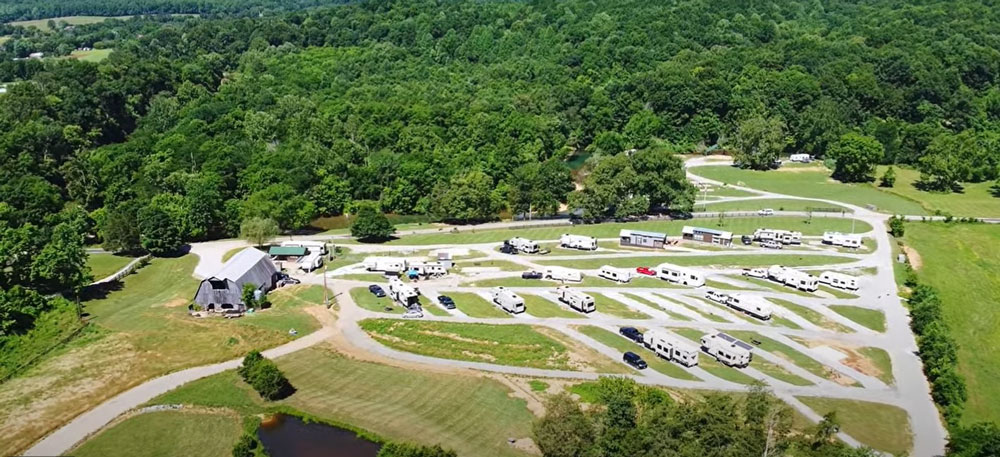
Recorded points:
(633, 359)
(446, 301)
(631, 333)
(508, 249)
(747, 239)
(376, 290)
(531, 275)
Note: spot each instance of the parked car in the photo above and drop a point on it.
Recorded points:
(755, 272)
(771, 244)
(446, 301)
(376, 290)
(413, 314)
(288, 281)
(645, 271)
(633, 359)
(508, 249)
(631, 333)
(716, 296)
(531, 275)
(766, 212)
(747, 240)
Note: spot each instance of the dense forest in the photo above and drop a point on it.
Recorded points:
(16, 10)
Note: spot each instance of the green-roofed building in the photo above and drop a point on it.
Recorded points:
(286, 251)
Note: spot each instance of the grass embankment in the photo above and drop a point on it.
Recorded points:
(619, 343)
(813, 317)
(962, 263)
(871, 318)
(167, 434)
(136, 333)
(735, 260)
(777, 204)
(614, 307)
(104, 265)
(816, 226)
(588, 281)
(883, 427)
(516, 344)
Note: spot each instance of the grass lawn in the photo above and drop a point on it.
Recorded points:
(165, 434)
(812, 182)
(784, 351)
(962, 262)
(363, 298)
(502, 265)
(710, 316)
(43, 24)
(673, 315)
(230, 253)
(709, 364)
(540, 307)
(837, 292)
(883, 427)
(538, 386)
(475, 306)
(618, 342)
(104, 265)
(880, 361)
(871, 318)
(779, 373)
(976, 200)
(736, 260)
(517, 344)
(812, 316)
(93, 55)
(366, 277)
(777, 204)
(613, 307)
(610, 230)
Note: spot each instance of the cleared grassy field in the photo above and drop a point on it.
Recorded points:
(801, 360)
(737, 260)
(871, 318)
(883, 427)
(541, 307)
(43, 24)
(975, 201)
(673, 315)
(166, 434)
(816, 226)
(777, 204)
(93, 55)
(363, 298)
(880, 361)
(779, 373)
(812, 182)
(962, 262)
(104, 265)
(614, 307)
(502, 265)
(618, 342)
(811, 316)
(475, 306)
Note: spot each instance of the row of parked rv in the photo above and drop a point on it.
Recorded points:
(722, 347)
(802, 280)
(398, 265)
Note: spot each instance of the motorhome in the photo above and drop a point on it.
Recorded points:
(312, 246)
(385, 264)
(839, 280)
(586, 243)
(507, 300)
(429, 268)
(671, 347)
(577, 300)
(728, 350)
(403, 293)
(621, 275)
(562, 274)
(680, 275)
(781, 236)
(793, 278)
(750, 304)
(847, 240)
(524, 245)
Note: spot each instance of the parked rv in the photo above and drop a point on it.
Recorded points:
(562, 274)
(523, 245)
(680, 275)
(839, 280)
(432, 269)
(671, 347)
(793, 278)
(633, 359)
(385, 264)
(631, 333)
(781, 236)
(621, 275)
(586, 243)
(847, 240)
(727, 350)
(507, 300)
(755, 272)
(403, 293)
(575, 299)
(750, 304)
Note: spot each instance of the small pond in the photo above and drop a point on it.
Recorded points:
(289, 436)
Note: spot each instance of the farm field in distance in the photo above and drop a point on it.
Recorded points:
(43, 24)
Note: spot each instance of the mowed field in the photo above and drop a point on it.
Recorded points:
(976, 200)
(93, 55)
(167, 434)
(104, 265)
(777, 204)
(43, 24)
(962, 261)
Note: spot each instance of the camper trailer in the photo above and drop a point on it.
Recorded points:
(728, 350)
(318, 247)
(403, 293)
(577, 300)
(847, 240)
(562, 274)
(621, 275)
(801, 158)
(586, 243)
(507, 300)
(781, 236)
(671, 347)
(385, 264)
(680, 275)
(750, 304)
(429, 268)
(839, 280)
(311, 261)
(524, 245)
(793, 278)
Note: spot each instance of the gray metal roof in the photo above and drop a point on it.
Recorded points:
(627, 232)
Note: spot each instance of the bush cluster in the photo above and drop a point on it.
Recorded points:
(265, 377)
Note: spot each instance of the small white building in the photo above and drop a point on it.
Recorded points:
(636, 238)
(707, 235)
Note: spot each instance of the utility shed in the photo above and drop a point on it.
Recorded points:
(707, 235)
(224, 290)
(642, 239)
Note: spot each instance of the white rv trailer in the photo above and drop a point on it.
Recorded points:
(847, 240)
(671, 347)
(310, 261)
(802, 158)
(793, 278)
(680, 275)
(430, 268)
(609, 272)
(781, 236)
(311, 246)
(524, 245)
(507, 300)
(728, 350)
(385, 264)
(839, 280)
(750, 304)
(586, 243)
(577, 300)
(562, 274)
(403, 293)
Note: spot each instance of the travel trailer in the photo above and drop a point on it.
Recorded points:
(680, 275)
(586, 243)
(403, 293)
(802, 158)
(562, 274)
(847, 240)
(750, 304)
(728, 350)
(839, 280)
(622, 275)
(385, 264)
(507, 300)
(523, 244)
(577, 300)
(312, 246)
(671, 347)
(429, 268)
(793, 278)
(310, 261)
(781, 236)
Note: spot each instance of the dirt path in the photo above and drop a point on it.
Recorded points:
(913, 257)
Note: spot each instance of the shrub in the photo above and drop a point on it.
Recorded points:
(896, 226)
(392, 449)
(265, 377)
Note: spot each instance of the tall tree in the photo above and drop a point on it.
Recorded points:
(856, 156)
(370, 223)
(759, 142)
(259, 230)
(61, 266)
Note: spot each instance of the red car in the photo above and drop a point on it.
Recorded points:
(645, 271)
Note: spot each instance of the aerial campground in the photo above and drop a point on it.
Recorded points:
(498, 228)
